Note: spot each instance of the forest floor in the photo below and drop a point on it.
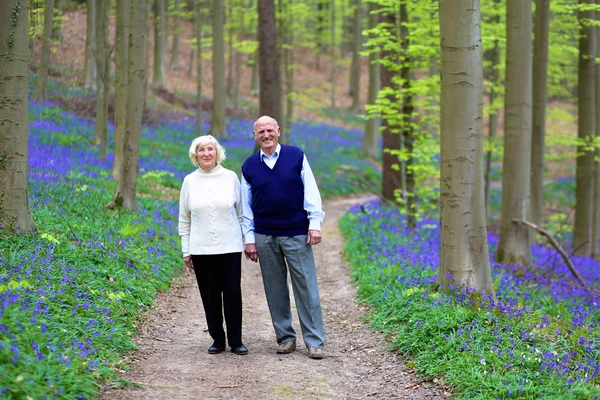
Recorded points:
(172, 360)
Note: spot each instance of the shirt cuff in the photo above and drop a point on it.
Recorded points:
(313, 224)
(249, 238)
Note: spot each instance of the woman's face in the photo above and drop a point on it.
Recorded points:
(206, 154)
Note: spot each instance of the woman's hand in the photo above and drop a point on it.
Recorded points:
(188, 262)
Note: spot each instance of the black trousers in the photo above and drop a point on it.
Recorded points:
(219, 279)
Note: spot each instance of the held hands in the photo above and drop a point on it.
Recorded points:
(188, 262)
(313, 237)
(250, 252)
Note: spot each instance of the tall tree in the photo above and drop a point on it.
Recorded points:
(356, 48)
(102, 77)
(391, 179)
(40, 89)
(160, 28)
(333, 59)
(270, 81)
(58, 20)
(124, 195)
(176, 30)
(540, 94)
(514, 244)
(586, 129)
(14, 129)
(89, 66)
(596, 205)
(372, 124)
(289, 54)
(230, 49)
(198, 35)
(122, 49)
(218, 69)
(238, 58)
(464, 256)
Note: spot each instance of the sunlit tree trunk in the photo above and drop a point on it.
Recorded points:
(464, 257)
(124, 195)
(40, 89)
(238, 60)
(372, 124)
(147, 49)
(356, 48)
(176, 30)
(540, 94)
(198, 34)
(270, 81)
(333, 59)
(218, 69)
(102, 78)
(596, 206)
(230, 58)
(514, 245)
(89, 66)
(586, 129)
(289, 79)
(158, 72)
(122, 49)
(14, 128)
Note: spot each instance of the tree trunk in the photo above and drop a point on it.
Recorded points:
(102, 78)
(586, 129)
(147, 47)
(122, 49)
(124, 195)
(40, 89)
(198, 34)
(514, 244)
(14, 129)
(596, 205)
(372, 123)
(540, 94)
(289, 78)
(230, 32)
(238, 61)
(158, 72)
(175, 44)
(355, 67)
(57, 27)
(464, 257)
(333, 60)
(255, 82)
(391, 179)
(89, 66)
(218, 68)
(270, 84)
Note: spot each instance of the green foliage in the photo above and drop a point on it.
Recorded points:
(14, 18)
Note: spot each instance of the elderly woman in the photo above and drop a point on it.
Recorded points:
(211, 240)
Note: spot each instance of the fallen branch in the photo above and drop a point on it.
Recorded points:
(557, 246)
(227, 386)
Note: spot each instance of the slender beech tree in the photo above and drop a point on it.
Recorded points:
(176, 30)
(40, 89)
(333, 59)
(464, 256)
(514, 245)
(356, 48)
(289, 54)
(218, 69)
(230, 50)
(59, 6)
(102, 78)
(391, 179)
(270, 81)
(124, 195)
(372, 124)
(586, 129)
(198, 35)
(238, 59)
(89, 66)
(14, 129)
(122, 50)
(160, 29)
(147, 50)
(596, 206)
(540, 94)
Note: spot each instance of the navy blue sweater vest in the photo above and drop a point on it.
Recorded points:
(278, 193)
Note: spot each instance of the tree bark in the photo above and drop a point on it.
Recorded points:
(586, 129)
(540, 99)
(372, 123)
(89, 66)
(218, 69)
(158, 72)
(40, 89)
(124, 195)
(355, 67)
(238, 61)
(333, 59)
(289, 78)
(198, 34)
(514, 243)
(175, 44)
(270, 81)
(230, 34)
(102, 78)
(596, 205)
(464, 257)
(122, 49)
(14, 129)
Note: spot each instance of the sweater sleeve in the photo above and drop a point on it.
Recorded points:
(185, 218)
(238, 197)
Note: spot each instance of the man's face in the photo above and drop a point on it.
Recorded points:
(266, 134)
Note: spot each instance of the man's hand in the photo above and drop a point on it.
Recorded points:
(188, 262)
(250, 252)
(313, 237)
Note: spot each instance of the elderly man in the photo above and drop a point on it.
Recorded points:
(281, 220)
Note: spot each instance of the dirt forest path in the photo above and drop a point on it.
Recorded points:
(172, 361)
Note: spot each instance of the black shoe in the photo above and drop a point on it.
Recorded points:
(216, 349)
(240, 350)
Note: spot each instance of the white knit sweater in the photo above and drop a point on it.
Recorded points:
(210, 212)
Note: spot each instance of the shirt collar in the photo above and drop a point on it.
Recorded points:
(275, 153)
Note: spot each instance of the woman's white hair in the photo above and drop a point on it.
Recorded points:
(204, 140)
